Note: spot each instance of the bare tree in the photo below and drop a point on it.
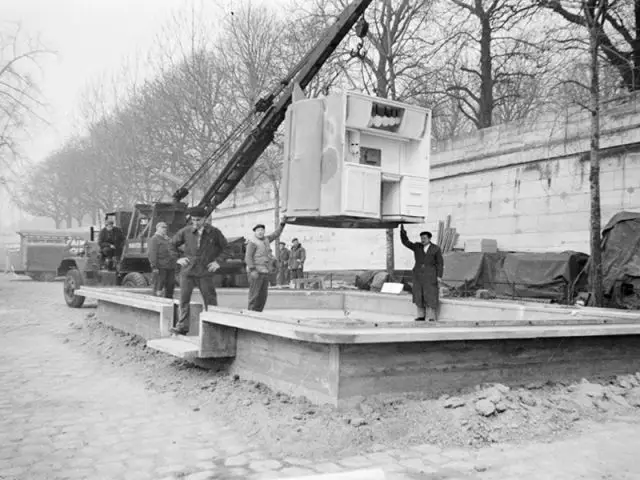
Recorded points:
(39, 194)
(253, 57)
(496, 57)
(20, 98)
(618, 37)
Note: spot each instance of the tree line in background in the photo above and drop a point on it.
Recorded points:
(474, 63)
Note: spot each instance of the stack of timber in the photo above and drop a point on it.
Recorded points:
(447, 236)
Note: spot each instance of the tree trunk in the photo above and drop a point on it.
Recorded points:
(636, 48)
(485, 108)
(594, 175)
(382, 90)
(391, 264)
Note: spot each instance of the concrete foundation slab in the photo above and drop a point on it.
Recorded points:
(339, 346)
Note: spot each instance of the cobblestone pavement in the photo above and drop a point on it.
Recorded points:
(66, 415)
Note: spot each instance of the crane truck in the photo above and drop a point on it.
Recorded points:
(255, 133)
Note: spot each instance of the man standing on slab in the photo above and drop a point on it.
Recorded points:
(427, 274)
(204, 247)
(260, 265)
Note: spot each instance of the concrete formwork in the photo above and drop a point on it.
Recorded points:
(337, 346)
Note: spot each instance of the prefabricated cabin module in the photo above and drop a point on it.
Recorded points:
(356, 161)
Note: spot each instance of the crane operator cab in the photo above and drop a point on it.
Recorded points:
(356, 161)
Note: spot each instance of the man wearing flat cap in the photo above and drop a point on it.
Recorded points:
(204, 250)
(260, 264)
(427, 274)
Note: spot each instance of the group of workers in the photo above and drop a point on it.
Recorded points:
(203, 252)
(204, 247)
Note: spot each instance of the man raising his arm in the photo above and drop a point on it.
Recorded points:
(260, 264)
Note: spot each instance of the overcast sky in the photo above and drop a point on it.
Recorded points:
(92, 38)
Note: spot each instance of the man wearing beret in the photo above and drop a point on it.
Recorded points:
(260, 265)
(427, 274)
(204, 250)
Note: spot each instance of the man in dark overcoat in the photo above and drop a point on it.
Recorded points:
(427, 274)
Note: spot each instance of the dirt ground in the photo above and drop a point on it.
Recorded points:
(294, 427)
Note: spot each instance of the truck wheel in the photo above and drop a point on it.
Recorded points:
(72, 282)
(134, 280)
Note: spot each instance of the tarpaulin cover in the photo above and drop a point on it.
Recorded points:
(525, 275)
(467, 272)
(621, 260)
(539, 275)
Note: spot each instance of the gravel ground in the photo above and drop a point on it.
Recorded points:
(293, 426)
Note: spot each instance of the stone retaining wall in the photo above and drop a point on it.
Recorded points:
(526, 185)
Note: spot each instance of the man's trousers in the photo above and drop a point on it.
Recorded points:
(258, 291)
(207, 289)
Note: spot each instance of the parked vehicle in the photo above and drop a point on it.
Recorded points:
(42, 251)
(81, 265)
(256, 132)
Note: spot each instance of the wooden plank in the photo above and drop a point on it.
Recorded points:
(448, 367)
(136, 321)
(155, 304)
(296, 368)
(418, 333)
(175, 346)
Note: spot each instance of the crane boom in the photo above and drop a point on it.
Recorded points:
(275, 106)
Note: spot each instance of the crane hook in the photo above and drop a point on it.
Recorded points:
(361, 28)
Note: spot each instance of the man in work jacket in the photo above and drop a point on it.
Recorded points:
(427, 274)
(163, 261)
(297, 258)
(260, 264)
(204, 250)
(111, 241)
